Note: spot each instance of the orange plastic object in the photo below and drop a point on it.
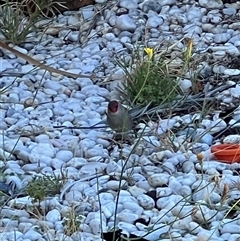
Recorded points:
(228, 153)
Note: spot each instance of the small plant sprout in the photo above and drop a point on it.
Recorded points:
(148, 79)
(43, 186)
(72, 222)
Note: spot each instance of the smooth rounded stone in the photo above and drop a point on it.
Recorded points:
(232, 72)
(103, 142)
(33, 167)
(161, 216)
(159, 230)
(79, 186)
(212, 164)
(90, 192)
(15, 182)
(64, 155)
(22, 154)
(86, 144)
(134, 207)
(66, 117)
(83, 235)
(53, 216)
(181, 18)
(99, 180)
(97, 226)
(114, 46)
(22, 50)
(105, 198)
(154, 22)
(227, 100)
(169, 167)
(5, 64)
(205, 137)
(101, 1)
(32, 235)
(168, 202)
(126, 216)
(85, 228)
(73, 196)
(136, 191)
(229, 11)
(133, 4)
(203, 194)
(92, 168)
(185, 85)
(112, 166)
(57, 163)
(194, 14)
(59, 226)
(125, 40)
(69, 172)
(9, 213)
(50, 203)
(208, 235)
(8, 222)
(14, 144)
(124, 22)
(150, 5)
(50, 92)
(211, 4)
(192, 29)
(44, 149)
(11, 235)
(181, 211)
(235, 92)
(13, 97)
(218, 69)
(185, 191)
(221, 37)
(163, 191)
(94, 215)
(125, 226)
(109, 36)
(214, 17)
(29, 220)
(227, 47)
(150, 170)
(188, 166)
(158, 179)
(230, 228)
(146, 202)
(136, 177)
(42, 138)
(24, 226)
(181, 223)
(174, 184)
(115, 185)
(233, 237)
(74, 20)
(13, 167)
(194, 227)
(109, 210)
(232, 139)
(144, 185)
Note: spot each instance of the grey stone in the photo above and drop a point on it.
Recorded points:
(124, 22)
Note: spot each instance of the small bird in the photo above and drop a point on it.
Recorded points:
(118, 117)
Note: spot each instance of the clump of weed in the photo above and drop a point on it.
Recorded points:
(43, 186)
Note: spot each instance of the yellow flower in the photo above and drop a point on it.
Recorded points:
(188, 53)
(149, 52)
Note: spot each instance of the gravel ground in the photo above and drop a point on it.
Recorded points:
(142, 187)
